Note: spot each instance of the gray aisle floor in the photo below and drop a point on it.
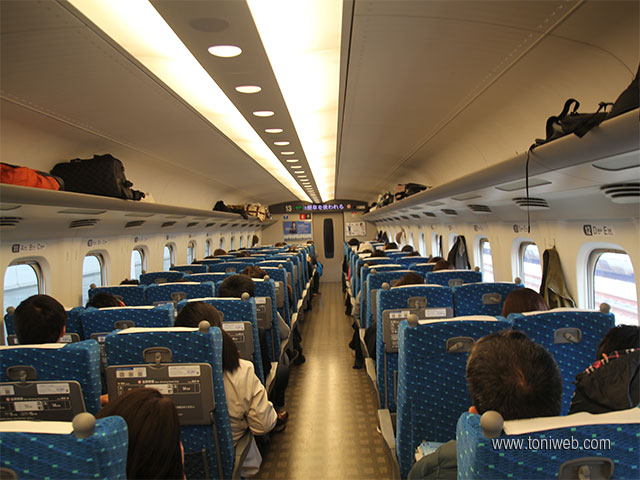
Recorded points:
(331, 431)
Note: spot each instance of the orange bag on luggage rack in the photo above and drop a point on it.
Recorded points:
(27, 177)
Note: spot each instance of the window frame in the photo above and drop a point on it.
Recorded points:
(191, 247)
(522, 246)
(208, 247)
(481, 242)
(103, 270)
(143, 259)
(172, 255)
(422, 246)
(592, 260)
(436, 245)
(38, 270)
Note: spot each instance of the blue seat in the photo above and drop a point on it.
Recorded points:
(187, 346)
(72, 361)
(422, 268)
(481, 298)
(45, 454)
(267, 288)
(189, 269)
(436, 296)
(131, 295)
(365, 270)
(164, 292)
(214, 277)
(609, 436)
(237, 310)
(280, 275)
(73, 324)
(292, 280)
(408, 261)
(373, 283)
(432, 388)
(356, 279)
(161, 277)
(547, 329)
(451, 278)
(103, 320)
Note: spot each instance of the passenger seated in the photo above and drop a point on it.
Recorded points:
(243, 254)
(218, 251)
(506, 372)
(104, 300)
(391, 246)
(435, 259)
(442, 265)
(126, 281)
(247, 400)
(155, 449)
(413, 254)
(407, 248)
(39, 319)
(613, 381)
(523, 300)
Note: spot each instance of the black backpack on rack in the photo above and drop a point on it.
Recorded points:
(101, 175)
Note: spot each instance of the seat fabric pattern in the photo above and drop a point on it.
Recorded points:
(103, 455)
(208, 277)
(288, 266)
(374, 282)
(189, 269)
(153, 277)
(268, 289)
(432, 388)
(422, 268)
(572, 358)
(477, 457)
(78, 361)
(468, 298)
(443, 277)
(186, 347)
(279, 275)
(408, 261)
(162, 293)
(132, 295)
(101, 320)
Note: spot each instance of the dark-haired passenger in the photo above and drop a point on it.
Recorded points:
(442, 265)
(523, 300)
(407, 249)
(247, 401)
(391, 246)
(104, 300)
(39, 319)
(510, 374)
(613, 381)
(219, 251)
(155, 450)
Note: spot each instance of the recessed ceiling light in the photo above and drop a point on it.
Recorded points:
(274, 130)
(225, 51)
(287, 153)
(292, 160)
(263, 113)
(296, 166)
(281, 144)
(248, 89)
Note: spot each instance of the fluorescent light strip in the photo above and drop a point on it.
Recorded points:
(139, 29)
(305, 58)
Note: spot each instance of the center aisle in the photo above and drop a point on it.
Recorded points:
(331, 431)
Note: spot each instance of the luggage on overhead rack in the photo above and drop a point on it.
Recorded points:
(27, 177)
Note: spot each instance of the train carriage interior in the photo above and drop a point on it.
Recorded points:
(393, 175)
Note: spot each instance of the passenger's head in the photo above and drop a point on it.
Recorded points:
(280, 244)
(619, 338)
(154, 433)
(441, 265)
(509, 373)
(411, 278)
(407, 248)
(126, 281)
(103, 300)
(523, 300)
(243, 254)
(353, 242)
(391, 246)
(435, 259)
(39, 319)
(378, 253)
(195, 312)
(365, 246)
(219, 251)
(412, 254)
(235, 285)
(254, 271)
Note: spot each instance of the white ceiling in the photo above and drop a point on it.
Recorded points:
(432, 90)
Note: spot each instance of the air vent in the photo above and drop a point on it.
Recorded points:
(531, 202)
(405, 217)
(78, 211)
(234, 225)
(622, 192)
(134, 223)
(84, 223)
(479, 208)
(429, 214)
(139, 215)
(168, 224)
(9, 221)
(448, 211)
(210, 224)
(435, 204)
(522, 184)
(8, 206)
(175, 217)
(415, 216)
(469, 196)
(192, 224)
(223, 225)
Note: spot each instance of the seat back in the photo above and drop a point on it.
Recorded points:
(481, 298)
(44, 452)
(57, 361)
(279, 276)
(288, 265)
(126, 347)
(214, 277)
(104, 320)
(408, 261)
(452, 278)
(551, 447)
(432, 388)
(161, 277)
(265, 292)
(422, 268)
(131, 295)
(189, 269)
(436, 296)
(571, 335)
(168, 292)
(373, 283)
(377, 267)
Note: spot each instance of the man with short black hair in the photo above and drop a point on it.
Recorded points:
(506, 372)
(39, 319)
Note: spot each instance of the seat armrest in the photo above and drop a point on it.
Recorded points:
(272, 375)
(388, 435)
(371, 372)
(241, 451)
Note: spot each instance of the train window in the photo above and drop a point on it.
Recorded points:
(207, 248)
(222, 242)
(452, 240)
(232, 243)
(138, 262)
(411, 239)
(530, 269)
(486, 262)
(436, 246)
(240, 244)
(21, 280)
(612, 281)
(423, 248)
(191, 252)
(92, 272)
(168, 257)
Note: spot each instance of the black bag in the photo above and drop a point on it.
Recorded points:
(101, 175)
(570, 121)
